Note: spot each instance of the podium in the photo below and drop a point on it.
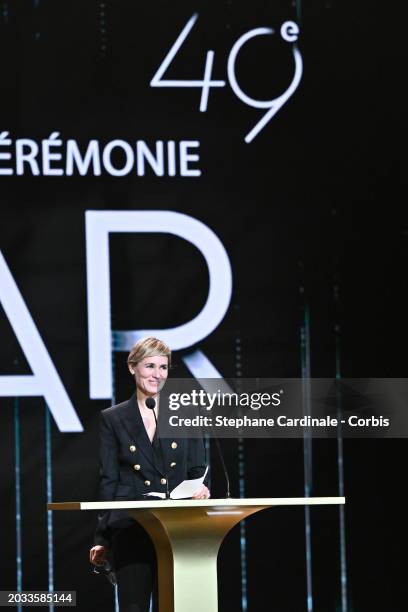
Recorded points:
(187, 535)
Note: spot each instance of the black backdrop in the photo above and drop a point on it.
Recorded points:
(309, 215)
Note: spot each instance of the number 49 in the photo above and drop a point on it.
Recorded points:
(289, 32)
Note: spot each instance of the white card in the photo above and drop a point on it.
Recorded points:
(184, 490)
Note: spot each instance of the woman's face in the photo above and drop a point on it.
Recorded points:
(151, 374)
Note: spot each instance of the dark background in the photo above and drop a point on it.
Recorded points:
(311, 216)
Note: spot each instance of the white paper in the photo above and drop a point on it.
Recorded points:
(184, 490)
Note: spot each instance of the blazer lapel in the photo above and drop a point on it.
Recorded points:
(133, 423)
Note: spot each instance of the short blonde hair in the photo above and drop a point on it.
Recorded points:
(148, 347)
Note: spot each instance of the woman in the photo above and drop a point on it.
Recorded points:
(131, 466)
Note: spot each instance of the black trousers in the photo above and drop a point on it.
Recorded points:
(134, 560)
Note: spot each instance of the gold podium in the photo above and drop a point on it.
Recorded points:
(187, 535)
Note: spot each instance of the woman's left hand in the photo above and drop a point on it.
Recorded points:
(202, 493)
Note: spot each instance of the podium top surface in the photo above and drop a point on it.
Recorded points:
(227, 503)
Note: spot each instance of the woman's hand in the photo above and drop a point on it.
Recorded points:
(97, 555)
(202, 493)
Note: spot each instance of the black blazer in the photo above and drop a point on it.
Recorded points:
(131, 465)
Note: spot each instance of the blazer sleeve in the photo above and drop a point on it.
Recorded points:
(108, 477)
(196, 459)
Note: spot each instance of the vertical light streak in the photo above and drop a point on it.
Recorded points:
(340, 470)
(241, 481)
(17, 470)
(307, 449)
(50, 534)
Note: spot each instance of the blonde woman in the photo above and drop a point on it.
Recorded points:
(131, 465)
